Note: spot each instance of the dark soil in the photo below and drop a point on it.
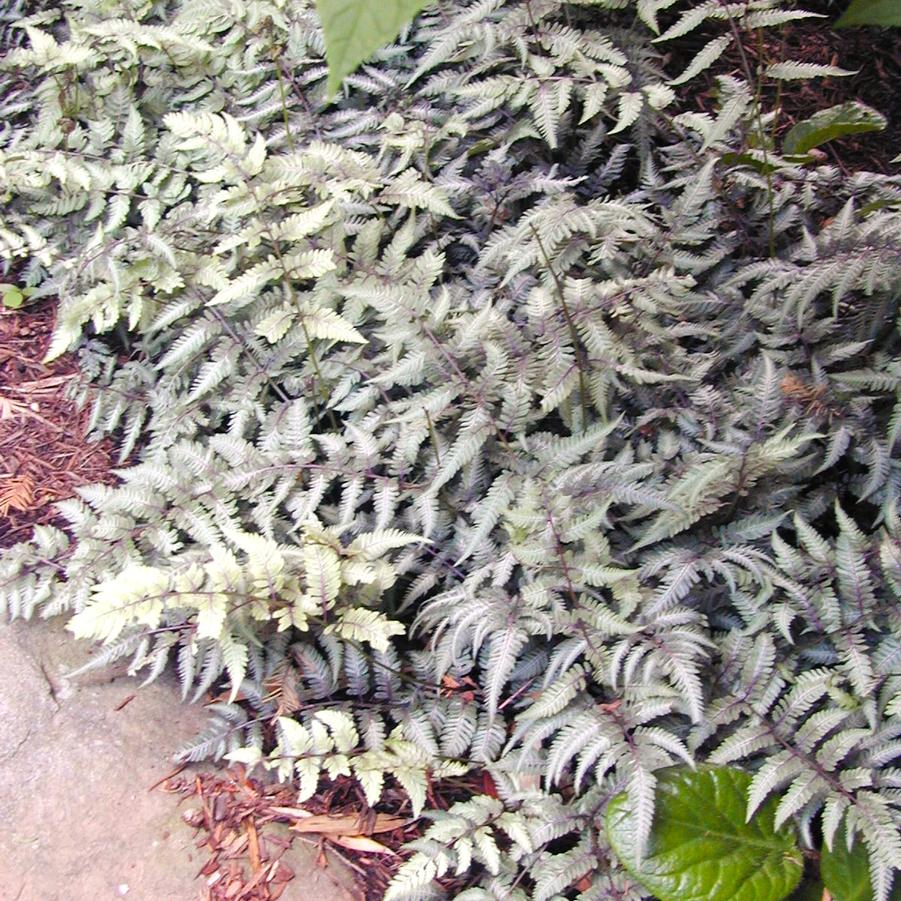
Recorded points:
(873, 53)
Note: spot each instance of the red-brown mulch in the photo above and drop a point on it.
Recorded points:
(44, 452)
(235, 817)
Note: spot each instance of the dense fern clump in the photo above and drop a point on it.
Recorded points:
(504, 413)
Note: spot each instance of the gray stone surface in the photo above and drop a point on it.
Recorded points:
(78, 819)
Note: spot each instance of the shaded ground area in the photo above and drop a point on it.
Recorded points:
(874, 54)
(76, 763)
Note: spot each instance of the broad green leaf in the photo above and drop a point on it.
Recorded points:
(14, 296)
(355, 29)
(846, 874)
(746, 159)
(701, 848)
(871, 12)
(846, 119)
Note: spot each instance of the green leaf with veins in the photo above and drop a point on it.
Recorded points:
(355, 29)
(701, 846)
(850, 118)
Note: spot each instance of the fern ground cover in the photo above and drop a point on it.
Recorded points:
(503, 411)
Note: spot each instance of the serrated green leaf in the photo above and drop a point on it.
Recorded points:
(701, 848)
(845, 119)
(371, 626)
(704, 59)
(341, 724)
(296, 740)
(328, 325)
(846, 874)
(323, 573)
(275, 326)
(355, 29)
(871, 12)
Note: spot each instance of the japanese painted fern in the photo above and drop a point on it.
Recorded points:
(470, 421)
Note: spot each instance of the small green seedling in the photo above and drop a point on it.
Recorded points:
(13, 296)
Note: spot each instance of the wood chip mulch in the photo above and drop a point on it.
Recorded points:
(44, 451)
(246, 828)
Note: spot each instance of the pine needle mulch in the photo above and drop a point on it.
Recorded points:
(44, 451)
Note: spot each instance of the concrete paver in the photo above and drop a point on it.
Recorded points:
(79, 823)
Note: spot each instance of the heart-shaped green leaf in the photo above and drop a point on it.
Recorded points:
(845, 119)
(871, 12)
(846, 874)
(701, 848)
(355, 29)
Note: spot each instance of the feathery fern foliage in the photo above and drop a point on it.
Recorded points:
(503, 413)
